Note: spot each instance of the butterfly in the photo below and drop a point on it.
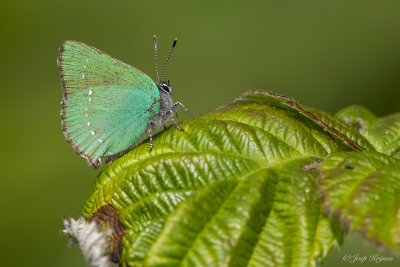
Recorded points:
(108, 106)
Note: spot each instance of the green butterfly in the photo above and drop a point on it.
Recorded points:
(108, 105)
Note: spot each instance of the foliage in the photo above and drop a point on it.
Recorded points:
(261, 181)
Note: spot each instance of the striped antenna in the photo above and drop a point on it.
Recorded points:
(155, 53)
(166, 62)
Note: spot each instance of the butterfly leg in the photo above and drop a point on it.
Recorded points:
(175, 107)
(171, 112)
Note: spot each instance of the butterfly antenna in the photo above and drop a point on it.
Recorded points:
(155, 53)
(166, 62)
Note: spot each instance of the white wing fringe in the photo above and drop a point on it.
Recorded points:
(91, 240)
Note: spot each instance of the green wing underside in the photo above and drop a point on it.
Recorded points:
(83, 66)
(102, 121)
(106, 102)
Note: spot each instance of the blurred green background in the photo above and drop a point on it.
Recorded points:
(326, 54)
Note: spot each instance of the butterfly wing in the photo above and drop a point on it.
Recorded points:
(103, 121)
(107, 103)
(83, 66)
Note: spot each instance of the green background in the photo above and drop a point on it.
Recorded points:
(326, 54)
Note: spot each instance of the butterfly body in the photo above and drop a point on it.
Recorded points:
(108, 105)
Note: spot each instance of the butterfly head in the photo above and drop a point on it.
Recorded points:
(165, 87)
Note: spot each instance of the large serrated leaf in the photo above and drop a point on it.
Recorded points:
(245, 171)
(363, 190)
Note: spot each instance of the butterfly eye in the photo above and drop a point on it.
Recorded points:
(165, 88)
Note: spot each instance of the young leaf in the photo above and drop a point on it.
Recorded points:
(383, 133)
(357, 117)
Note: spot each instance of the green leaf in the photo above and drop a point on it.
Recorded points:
(363, 190)
(236, 188)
